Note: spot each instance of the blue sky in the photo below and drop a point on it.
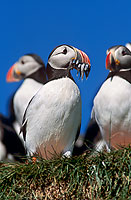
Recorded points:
(31, 26)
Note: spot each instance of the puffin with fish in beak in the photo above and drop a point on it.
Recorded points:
(52, 120)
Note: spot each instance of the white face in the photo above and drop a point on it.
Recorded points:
(27, 65)
(61, 56)
(124, 56)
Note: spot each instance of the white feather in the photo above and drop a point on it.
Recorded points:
(23, 95)
(112, 107)
(2, 151)
(128, 45)
(53, 118)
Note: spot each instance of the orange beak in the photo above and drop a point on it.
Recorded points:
(10, 75)
(111, 63)
(108, 62)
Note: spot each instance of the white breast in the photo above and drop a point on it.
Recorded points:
(53, 118)
(112, 106)
(2, 151)
(23, 95)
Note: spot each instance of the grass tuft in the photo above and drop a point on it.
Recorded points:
(100, 176)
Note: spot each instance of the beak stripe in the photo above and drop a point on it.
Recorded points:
(108, 60)
(85, 58)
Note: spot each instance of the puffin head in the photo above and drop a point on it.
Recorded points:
(65, 57)
(24, 67)
(118, 57)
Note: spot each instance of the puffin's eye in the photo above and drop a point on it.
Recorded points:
(22, 62)
(64, 51)
(124, 53)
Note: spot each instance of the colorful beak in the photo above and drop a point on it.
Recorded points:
(81, 63)
(84, 58)
(108, 62)
(12, 74)
(111, 62)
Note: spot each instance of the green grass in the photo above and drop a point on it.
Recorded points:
(100, 176)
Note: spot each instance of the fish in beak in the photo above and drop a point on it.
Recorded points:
(81, 63)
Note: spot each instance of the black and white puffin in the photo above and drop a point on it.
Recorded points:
(11, 147)
(31, 68)
(112, 104)
(53, 117)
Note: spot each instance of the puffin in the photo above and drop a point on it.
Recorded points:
(112, 104)
(11, 147)
(52, 120)
(31, 69)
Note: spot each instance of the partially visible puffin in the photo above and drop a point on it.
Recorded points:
(11, 147)
(31, 68)
(52, 119)
(112, 104)
(3, 152)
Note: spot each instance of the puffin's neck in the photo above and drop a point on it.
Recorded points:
(57, 73)
(39, 76)
(125, 74)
